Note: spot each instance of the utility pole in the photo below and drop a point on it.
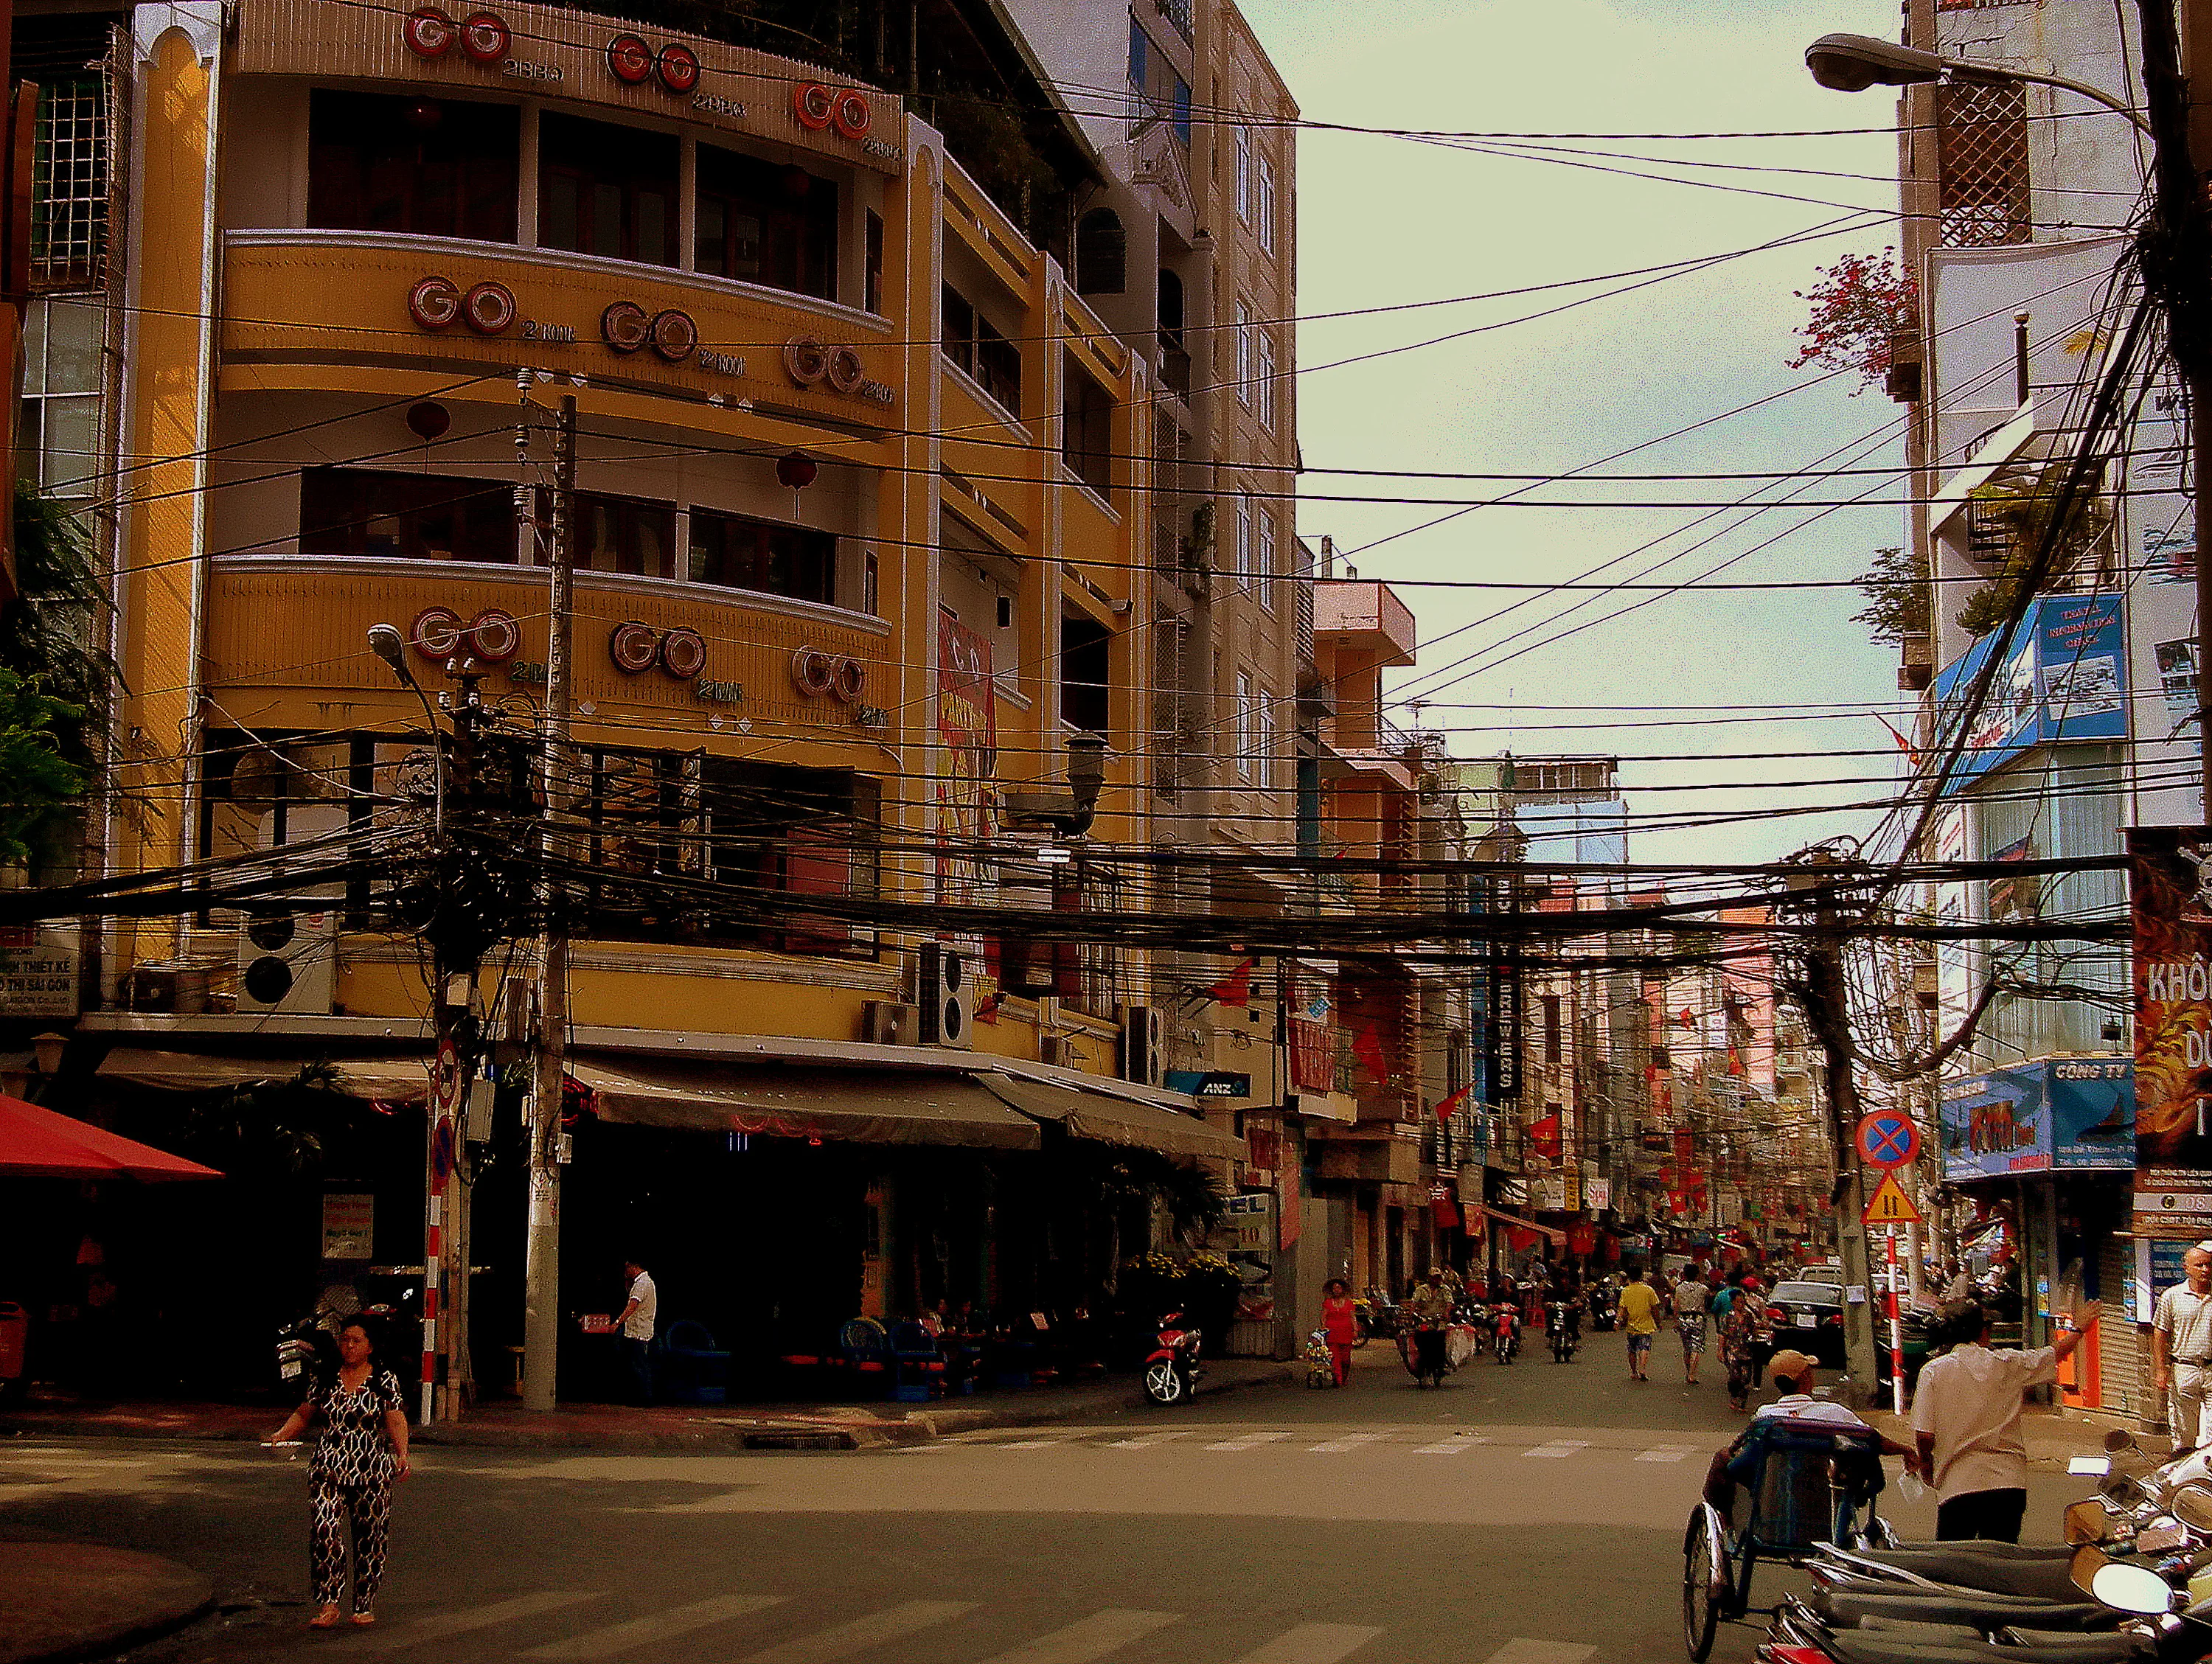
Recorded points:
(2177, 253)
(1827, 1010)
(541, 1316)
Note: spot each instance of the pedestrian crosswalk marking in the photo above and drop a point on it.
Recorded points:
(1452, 1446)
(1349, 1442)
(1313, 1643)
(1145, 1442)
(653, 1626)
(1665, 1452)
(1247, 1441)
(1522, 1650)
(1031, 1444)
(1089, 1638)
(443, 1626)
(878, 1628)
(1557, 1447)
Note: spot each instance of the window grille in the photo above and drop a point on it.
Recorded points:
(1178, 14)
(70, 151)
(1981, 158)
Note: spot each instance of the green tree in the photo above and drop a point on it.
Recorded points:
(1896, 588)
(59, 679)
(40, 784)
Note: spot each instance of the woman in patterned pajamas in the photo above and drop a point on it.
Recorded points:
(362, 1450)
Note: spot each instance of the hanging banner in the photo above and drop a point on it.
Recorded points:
(968, 732)
(2169, 886)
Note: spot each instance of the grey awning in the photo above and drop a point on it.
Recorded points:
(1115, 1120)
(389, 1080)
(862, 1106)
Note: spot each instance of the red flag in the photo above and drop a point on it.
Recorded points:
(1367, 1045)
(1445, 1107)
(1687, 1017)
(1911, 750)
(1545, 1133)
(1235, 989)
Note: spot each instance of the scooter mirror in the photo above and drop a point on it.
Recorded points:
(2121, 1491)
(2118, 1441)
(2088, 1521)
(2132, 1588)
(2192, 1504)
(2089, 1560)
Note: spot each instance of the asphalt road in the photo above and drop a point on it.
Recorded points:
(1522, 1515)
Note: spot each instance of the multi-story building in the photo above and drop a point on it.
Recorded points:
(863, 529)
(2055, 735)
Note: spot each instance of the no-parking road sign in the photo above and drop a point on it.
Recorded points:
(1888, 1137)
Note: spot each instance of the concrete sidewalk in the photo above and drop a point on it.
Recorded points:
(76, 1601)
(503, 1424)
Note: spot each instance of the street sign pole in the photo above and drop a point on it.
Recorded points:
(1896, 1330)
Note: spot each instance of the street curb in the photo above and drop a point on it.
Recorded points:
(115, 1634)
(941, 1423)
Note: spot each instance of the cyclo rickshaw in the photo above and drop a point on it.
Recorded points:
(1801, 1483)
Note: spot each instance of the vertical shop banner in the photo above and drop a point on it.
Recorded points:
(967, 734)
(2170, 884)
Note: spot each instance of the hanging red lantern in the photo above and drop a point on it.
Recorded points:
(428, 420)
(796, 470)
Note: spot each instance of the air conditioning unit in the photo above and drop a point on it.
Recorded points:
(887, 1023)
(944, 994)
(1144, 1045)
(288, 957)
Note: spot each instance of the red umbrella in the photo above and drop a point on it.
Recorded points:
(38, 1143)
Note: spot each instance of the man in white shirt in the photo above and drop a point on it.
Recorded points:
(2181, 1351)
(1965, 1417)
(635, 1325)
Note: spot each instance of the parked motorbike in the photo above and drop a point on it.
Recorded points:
(1422, 1346)
(1171, 1368)
(1603, 1308)
(1505, 1329)
(1562, 1329)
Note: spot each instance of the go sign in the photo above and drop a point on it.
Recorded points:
(1888, 1138)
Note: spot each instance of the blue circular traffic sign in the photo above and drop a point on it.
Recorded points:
(1888, 1138)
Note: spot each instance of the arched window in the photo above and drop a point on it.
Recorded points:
(1102, 253)
(1170, 307)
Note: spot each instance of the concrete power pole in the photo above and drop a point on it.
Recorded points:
(541, 1318)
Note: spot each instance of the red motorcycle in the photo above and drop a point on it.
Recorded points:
(1171, 1369)
(1506, 1329)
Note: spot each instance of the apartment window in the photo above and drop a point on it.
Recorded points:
(1243, 355)
(61, 396)
(624, 535)
(1085, 663)
(1265, 555)
(418, 517)
(1158, 90)
(1263, 770)
(1263, 204)
(1102, 253)
(737, 553)
(606, 190)
(762, 223)
(438, 167)
(977, 347)
(1551, 1047)
(69, 189)
(1086, 430)
(872, 299)
(1240, 556)
(1243, 166)
(1263, 373)
(1981, 162)
(1246, 717)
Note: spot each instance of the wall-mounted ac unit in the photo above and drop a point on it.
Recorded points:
(1144, 1045)
(944, 994)
(887, 1023)
(288, 957)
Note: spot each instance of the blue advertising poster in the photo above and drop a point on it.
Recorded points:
(2064, 678)
(2078, 1114)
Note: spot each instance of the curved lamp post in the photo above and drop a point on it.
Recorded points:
(1853, 63)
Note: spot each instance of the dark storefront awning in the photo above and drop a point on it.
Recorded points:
(1113, 1121)
(389, 1080)
(860, 1106)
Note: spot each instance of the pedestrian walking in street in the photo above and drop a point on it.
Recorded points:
(361, 1452)
(1746, 1333)
(1690, 1301)
(1965, 1419)
(1340, 1327)
(636, 1326)
(2181, 1351)
(1639, 1319)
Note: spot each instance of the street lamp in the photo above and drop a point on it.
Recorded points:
(1853, 63)
(387, 642)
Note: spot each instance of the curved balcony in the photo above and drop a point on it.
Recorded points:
(294, 629)
(308, 310)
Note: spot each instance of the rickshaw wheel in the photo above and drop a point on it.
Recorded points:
(1700, 1612)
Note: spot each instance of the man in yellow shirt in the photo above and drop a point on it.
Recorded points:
(1639, 1319)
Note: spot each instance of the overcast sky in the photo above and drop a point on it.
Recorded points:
(1386, 220)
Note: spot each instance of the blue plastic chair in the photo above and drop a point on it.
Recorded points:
(867, 1352)
(697, 1371)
